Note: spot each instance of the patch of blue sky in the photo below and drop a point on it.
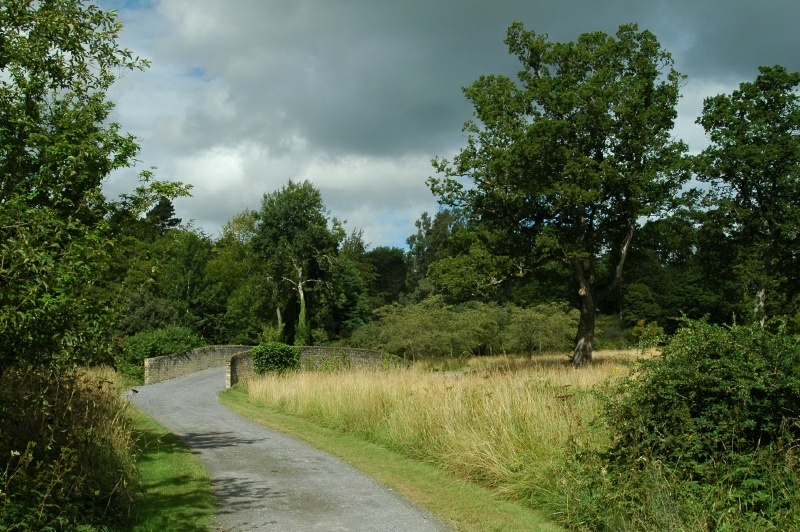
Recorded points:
(394, 230)
(196, 72)
(118, 5)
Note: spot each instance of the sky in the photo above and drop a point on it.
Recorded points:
(357, 96)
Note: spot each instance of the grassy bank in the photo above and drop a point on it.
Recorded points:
(174, 488)
(462, 505)
(77, 456)
(66, 449)
(497, 422)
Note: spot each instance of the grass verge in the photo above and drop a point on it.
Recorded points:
(174, 488)
(459, 504)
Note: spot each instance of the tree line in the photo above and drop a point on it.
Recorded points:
(571, 189)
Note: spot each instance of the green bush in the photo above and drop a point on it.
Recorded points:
(275, 356)
(609, 333)
(539, 329)
(435, 329)
(647, 334)
(66, 451)
(160, 342)
(709, 430)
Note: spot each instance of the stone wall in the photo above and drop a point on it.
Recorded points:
(241, 365)
(321, 357)
(169, 367)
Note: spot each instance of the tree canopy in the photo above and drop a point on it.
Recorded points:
(57, 60)
(295, 239)
(567, 162)
(753, 165)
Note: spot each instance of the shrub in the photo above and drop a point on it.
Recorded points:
(275, 356)
(609, 333)
(66, 450)
(543, 328)
(713, 422)
(167, 341)
(647, 334)
(434, 329)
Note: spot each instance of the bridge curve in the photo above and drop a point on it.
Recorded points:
(239, 363)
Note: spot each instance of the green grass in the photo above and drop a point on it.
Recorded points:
(175, 491)
(459, 504)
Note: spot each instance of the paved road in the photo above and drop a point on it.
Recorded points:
(265, 480)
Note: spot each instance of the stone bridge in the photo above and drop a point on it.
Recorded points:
(239, 363)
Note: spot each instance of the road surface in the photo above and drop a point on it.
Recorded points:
(265, 480)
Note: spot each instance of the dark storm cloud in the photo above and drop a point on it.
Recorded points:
(731, 38)
(384, 78)
(359, 95)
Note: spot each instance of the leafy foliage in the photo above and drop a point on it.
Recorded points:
(57, 60)
(753, 165)
(45, 266)
(713, 423)
(390, 271)
(567, 162)
(716, 390)
(66, 450)
(433, 329)
(295, 241)
(275, 356)
(160, 342)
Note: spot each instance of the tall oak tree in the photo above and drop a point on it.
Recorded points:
(569, 161)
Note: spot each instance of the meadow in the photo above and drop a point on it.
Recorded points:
(703, 434)
(500, 422)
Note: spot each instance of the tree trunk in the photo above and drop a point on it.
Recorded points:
(592, 295)
(301, 336)
(585, 336)
(759, 309)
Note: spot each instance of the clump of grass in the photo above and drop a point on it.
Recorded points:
(500, 422)
(66, 451)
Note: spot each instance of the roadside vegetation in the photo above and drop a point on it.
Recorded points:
(460, 504)
(82, 457)
(701, 436)
(174, 491)
(68, 449)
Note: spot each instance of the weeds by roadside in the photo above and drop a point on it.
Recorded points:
(703, 437)
(500, 422)
(66, 451)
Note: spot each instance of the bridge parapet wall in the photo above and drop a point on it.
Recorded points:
(239, 362)
(315, 357)
(239, 366)
(169, 367)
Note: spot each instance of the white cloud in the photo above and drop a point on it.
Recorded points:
(357, 96)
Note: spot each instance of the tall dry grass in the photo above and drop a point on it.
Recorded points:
(65, 449)
(501, 422)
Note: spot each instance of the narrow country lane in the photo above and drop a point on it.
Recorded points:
(265, 480)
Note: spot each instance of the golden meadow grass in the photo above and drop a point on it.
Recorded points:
(501, 422)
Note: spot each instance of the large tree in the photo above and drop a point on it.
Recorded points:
(237, 277)
(298, 242)
(568, 162)
(753, 165)
(57, 60)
